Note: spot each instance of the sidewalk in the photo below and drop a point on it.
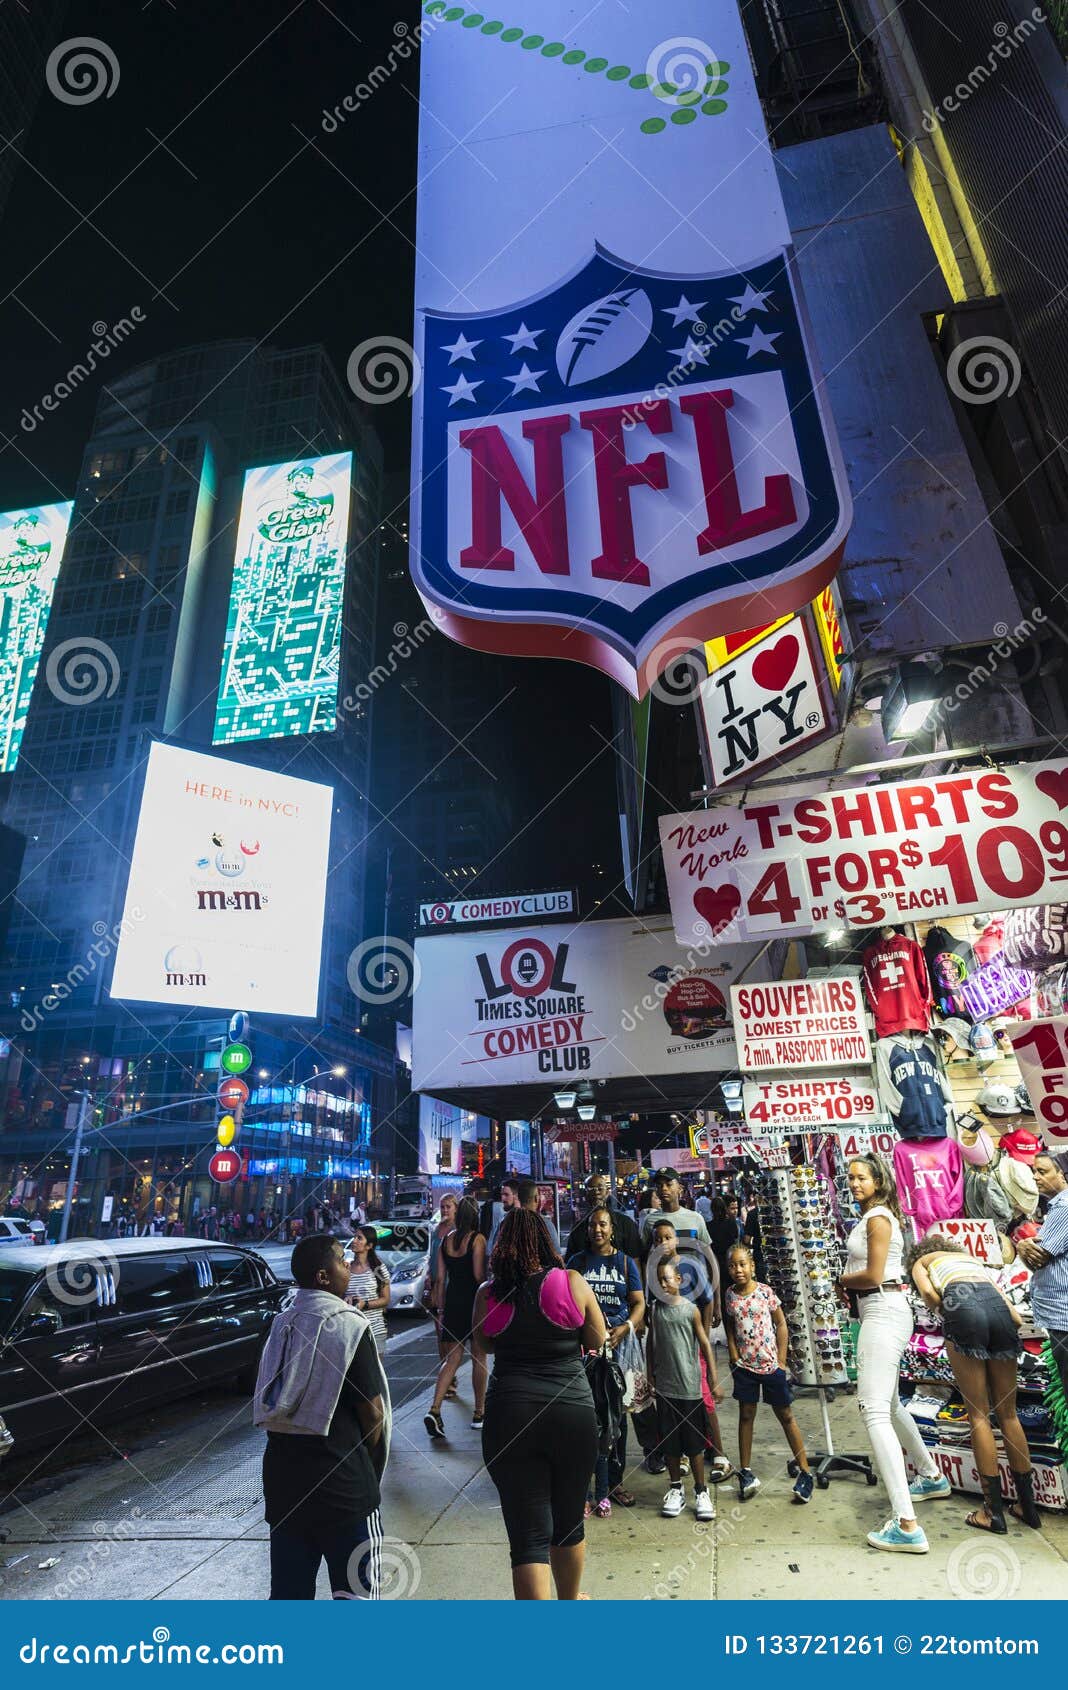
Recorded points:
(189, 1525)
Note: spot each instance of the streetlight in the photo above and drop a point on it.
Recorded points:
(84, 1105)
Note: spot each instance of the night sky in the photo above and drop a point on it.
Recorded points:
(205, 191)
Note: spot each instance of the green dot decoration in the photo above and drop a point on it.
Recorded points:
(687, 104)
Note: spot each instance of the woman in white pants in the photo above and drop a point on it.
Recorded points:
(874, 1277)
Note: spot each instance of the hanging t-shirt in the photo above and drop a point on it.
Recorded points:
(930, 1181)
(913, 1087)
(896, 985)
(949, 962)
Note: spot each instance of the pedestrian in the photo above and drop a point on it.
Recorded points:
(445, 1224)
(509, 1201)
(625, 1231)
(704, 1205)
(981, 1330)
(539, 1441)
(874, 1284)
(699, 1283)
(616, 1282)
(758, 1340)
(322, 1398)
(530, 1198)
(688, 1223)
(1047, 1256)
(677, 1341)
(461, 1270)
(359, 1213)
(369, 1284)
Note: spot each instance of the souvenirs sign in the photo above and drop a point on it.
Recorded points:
(800, 1024)
(620, 444)
(959, 844)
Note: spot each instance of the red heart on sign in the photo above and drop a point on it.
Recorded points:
(773, 668)
(1054, 785)
(718, 905)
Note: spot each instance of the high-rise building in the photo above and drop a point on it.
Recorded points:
(133, 653)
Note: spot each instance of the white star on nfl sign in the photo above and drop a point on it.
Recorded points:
(526, 381)
(758, 341)
(462, 389)
(684, 312)
(524, 337)
(692, 353)
(751, 300)
(462, 348)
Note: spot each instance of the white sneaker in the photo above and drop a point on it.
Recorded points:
(674, 1503)
(703, 1505)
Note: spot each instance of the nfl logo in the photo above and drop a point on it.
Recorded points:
(625, 466)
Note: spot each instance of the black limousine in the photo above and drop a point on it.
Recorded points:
(90, 1332)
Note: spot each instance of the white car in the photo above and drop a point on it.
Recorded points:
(15, 1230)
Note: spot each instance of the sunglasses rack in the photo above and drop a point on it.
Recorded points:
(803, 1259)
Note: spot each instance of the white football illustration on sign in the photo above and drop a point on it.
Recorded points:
(603, 336)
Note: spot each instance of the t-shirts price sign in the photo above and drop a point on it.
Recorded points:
(871, 856)
(1042, 1051)
(801, 1105)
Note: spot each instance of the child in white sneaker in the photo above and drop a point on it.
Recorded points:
(758, 1340)
(677, 1341)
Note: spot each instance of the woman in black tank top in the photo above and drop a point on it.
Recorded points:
(461, 1270)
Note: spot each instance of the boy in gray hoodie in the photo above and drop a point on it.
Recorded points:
(322, 1398)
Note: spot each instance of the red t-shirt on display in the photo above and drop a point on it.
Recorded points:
(897, 986)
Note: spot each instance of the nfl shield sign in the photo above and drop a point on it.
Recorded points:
(621, 445)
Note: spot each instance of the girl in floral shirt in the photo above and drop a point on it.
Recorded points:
(758, 1340)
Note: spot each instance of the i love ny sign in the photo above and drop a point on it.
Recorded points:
(761, 706)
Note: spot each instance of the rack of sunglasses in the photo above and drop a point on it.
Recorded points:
(804, 1257)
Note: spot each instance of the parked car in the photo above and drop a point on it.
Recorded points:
(91, 1332)
(15, 1230)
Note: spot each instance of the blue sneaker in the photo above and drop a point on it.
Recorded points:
(902, 1543)
(803, 1487)
(927, 1490)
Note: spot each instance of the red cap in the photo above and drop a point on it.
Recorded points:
(1021, 1144)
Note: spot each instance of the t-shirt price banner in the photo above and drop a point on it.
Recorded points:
(979, 1238)
(1042, 1051)
(775, 1106)
(964, 843)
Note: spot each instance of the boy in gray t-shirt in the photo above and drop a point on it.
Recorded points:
(677, 1341)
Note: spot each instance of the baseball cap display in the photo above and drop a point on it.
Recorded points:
(1023, 1099)
(1018, 1183)
(1022, 1144)
(998, 1099)
(983, 1045)
(952, 1035)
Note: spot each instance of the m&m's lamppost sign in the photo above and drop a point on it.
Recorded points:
(236, 1059)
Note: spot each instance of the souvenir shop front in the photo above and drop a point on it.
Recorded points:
(921, 1017)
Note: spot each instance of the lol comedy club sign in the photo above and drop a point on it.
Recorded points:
(620, 442)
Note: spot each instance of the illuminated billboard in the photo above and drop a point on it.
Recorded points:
(31, 551)
(283, 632)
(224, 904)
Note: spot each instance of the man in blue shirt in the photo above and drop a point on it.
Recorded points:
(1047, 1256)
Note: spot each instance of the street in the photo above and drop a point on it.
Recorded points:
(173, 1508)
